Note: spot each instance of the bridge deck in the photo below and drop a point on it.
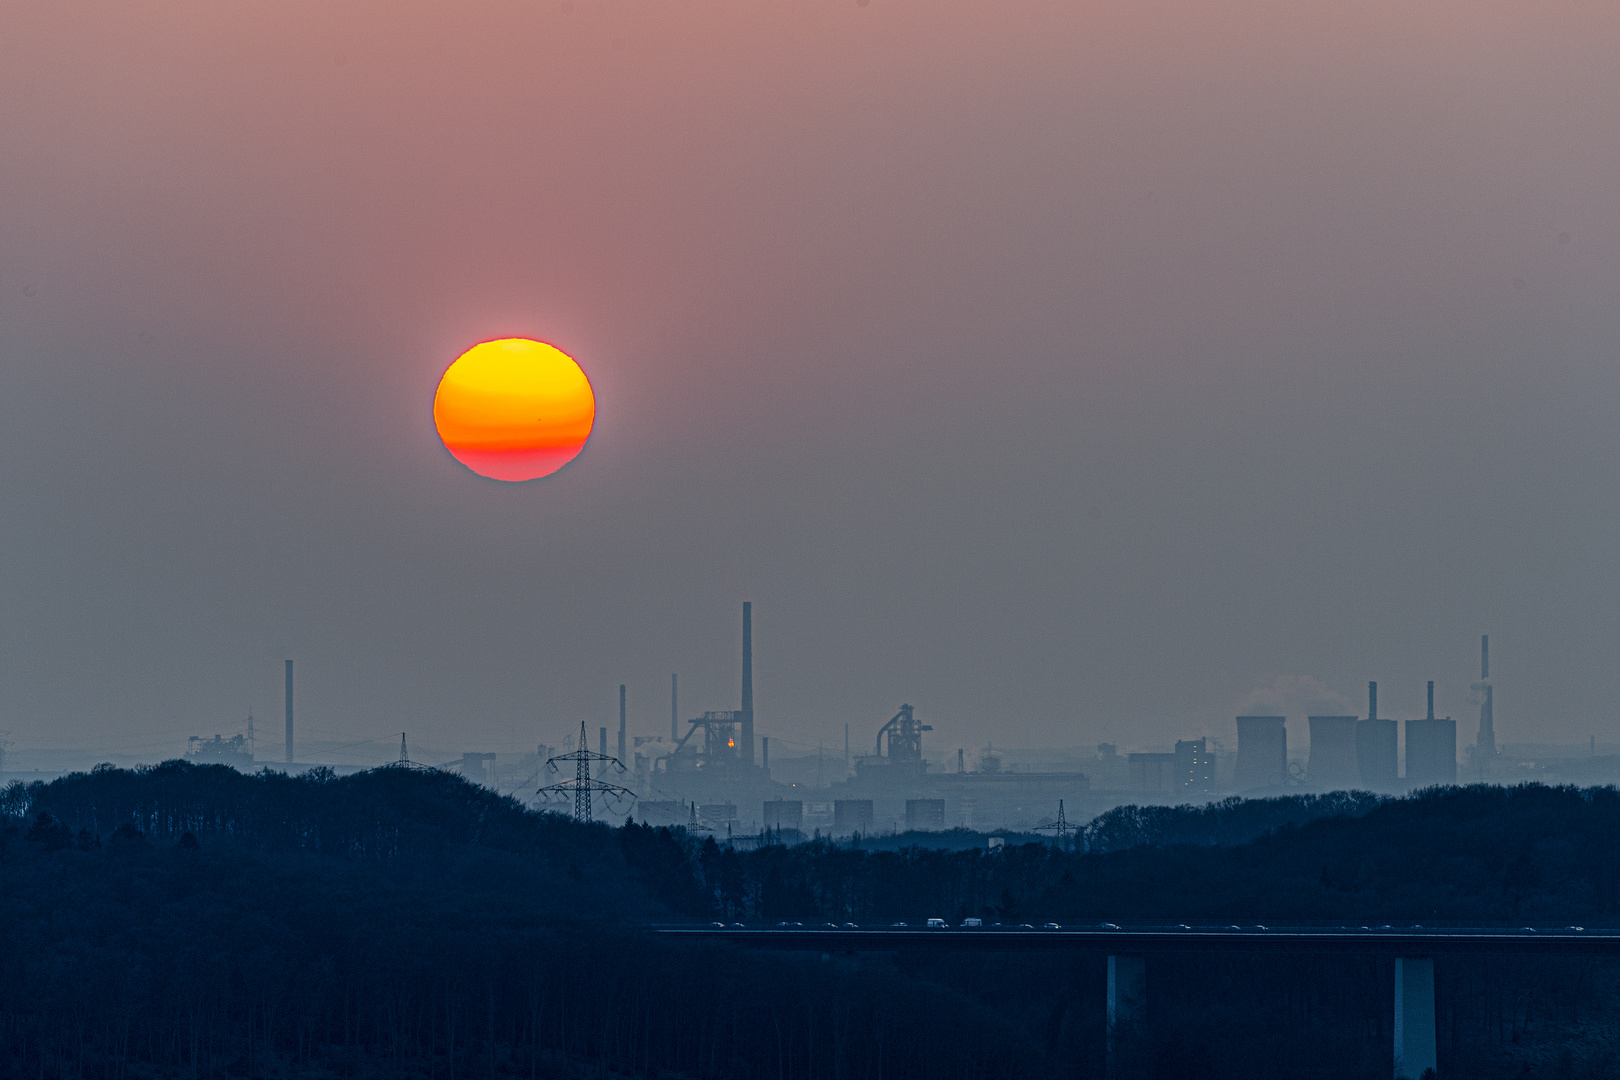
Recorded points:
(1393, 942)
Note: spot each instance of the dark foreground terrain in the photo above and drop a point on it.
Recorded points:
(189, 921)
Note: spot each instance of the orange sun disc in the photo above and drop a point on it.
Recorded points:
(514, 409)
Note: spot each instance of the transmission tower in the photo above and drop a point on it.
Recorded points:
(405, 762)
(581, 786)
(1059, 827)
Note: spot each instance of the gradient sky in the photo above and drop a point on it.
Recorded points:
(1073, 371)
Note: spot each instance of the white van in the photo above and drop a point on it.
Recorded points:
(972, 922)
(936, 924)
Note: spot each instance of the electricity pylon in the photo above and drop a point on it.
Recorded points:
(1060, 827)
(581, 786)
(405, 761)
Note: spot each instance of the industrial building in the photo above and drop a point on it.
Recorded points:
(1189, 770)
(1431, 749)
(785, 814)
(923, 815)
(1152, 771)
(852, 816)
(1195, 767)
(1377, 748)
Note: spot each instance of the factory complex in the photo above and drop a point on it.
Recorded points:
(709, 777)
(713, 773)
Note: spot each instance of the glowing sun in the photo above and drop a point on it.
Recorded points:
(514, 409)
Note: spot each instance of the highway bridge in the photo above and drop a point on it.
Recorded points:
(1128, 949)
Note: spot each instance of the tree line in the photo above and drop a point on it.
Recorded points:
(192, 921)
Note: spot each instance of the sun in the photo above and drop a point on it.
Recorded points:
(514, 409)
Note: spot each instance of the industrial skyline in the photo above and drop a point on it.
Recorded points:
(715, 769)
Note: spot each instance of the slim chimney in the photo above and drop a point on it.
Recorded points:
(1431, 699)
(765, 753)
(1372, 701)
(621, 722)
(289, 713)
(604, 742)
(674, 724)
(1485, 748)
(747, 754)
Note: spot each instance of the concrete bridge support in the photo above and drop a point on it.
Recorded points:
(1414, 1017)
(1127, 996)
(1414, 1009)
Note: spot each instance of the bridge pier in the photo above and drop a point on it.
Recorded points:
(1127, 995)
(1414, 1016)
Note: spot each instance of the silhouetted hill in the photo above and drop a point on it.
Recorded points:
(188, 921)
(1478, 855)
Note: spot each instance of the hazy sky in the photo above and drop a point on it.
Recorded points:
(1071, 370)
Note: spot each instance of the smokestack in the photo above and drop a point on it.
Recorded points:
(604, 742)
(1372, 701)
(765, 753)
(1484, 657)
(674, 724)
(747, 754)
(621, 721)
(289, 713)
(1431, 699)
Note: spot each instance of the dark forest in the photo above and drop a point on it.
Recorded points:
(193, 921)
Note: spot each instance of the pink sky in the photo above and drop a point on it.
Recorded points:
(1068, 370)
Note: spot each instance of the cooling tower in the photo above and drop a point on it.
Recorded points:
(1377, 748)
(1332, 764)
(1262, 752)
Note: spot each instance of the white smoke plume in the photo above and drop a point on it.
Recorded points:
(1296, 696)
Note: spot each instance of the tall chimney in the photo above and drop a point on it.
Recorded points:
(747, 754)
(674, 723)
(1484, 657)
(289, 713)
(765, 753)
(604, 742)
(1431, 699)
(621, 722)
(1372, 701)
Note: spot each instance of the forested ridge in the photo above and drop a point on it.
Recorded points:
(183, 921)
(1478, 856)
